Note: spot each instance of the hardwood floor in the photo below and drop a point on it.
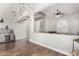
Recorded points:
(25, 48)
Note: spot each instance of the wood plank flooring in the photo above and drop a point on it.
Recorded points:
(25, 48)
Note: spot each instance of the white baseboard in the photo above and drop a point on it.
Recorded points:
(52, 48)
(21, 38)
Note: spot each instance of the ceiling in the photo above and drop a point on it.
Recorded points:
(6, 8)
(48, 8)
(38, 6)
(66, 8)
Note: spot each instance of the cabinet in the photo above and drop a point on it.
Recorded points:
(75, 52)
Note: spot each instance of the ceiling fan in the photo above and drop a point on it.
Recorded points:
(58, 13)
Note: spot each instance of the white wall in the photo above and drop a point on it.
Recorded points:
(21, 30)
(59, 42)
(71, 16)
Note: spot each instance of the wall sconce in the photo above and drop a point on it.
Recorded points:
(2, 20)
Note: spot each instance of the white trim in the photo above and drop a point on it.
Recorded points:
(21, 38)
(52, 48)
